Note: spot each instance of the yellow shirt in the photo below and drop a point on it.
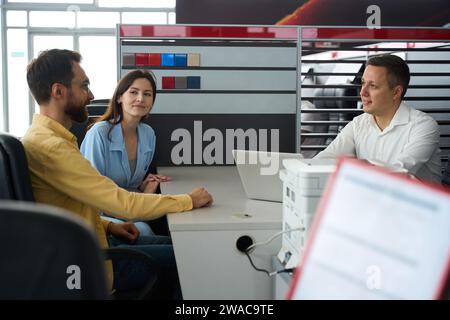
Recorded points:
(62, 177)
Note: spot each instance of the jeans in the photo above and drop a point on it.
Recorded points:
(144, 229)
(132, 274)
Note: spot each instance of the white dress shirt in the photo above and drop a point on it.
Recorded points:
(411, 141)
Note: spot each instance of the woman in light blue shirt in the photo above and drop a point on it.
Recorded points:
(120, 145)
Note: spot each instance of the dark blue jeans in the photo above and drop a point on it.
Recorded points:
(133, 274)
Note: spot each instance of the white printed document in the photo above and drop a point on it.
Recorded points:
(376, 235)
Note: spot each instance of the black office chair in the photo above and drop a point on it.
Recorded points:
(16, 185)
(5, 185)
(329, 104)
(446, 175)
(95, 109)
(14, 170)
(336, 104)
(48, 254)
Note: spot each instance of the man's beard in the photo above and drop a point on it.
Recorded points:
(77, 111)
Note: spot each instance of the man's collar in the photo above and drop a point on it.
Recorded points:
(401, 116)
(55, 126)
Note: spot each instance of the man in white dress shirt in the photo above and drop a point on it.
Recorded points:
(389, 131)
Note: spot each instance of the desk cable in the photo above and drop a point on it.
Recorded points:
(249, 248)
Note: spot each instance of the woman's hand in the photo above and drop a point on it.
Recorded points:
(158, 177)
(151, 182)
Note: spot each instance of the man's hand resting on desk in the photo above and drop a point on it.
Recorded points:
(200, 198)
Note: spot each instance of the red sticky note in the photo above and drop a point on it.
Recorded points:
(141, 59)
(168, 82)
(154, 59)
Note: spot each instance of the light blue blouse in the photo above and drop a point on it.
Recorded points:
(110, 157)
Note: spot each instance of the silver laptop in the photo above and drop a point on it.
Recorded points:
(259, 172)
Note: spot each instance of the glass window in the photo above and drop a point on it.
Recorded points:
(16, 18)
(144, 17)
(172, 18)
(17, 59)
(44, 42)
(100, 65)
(137, 3)
(52, 19)
(53, 1)
(98, 19)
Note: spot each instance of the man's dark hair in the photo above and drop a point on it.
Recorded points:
(51, 66)
(397, 69)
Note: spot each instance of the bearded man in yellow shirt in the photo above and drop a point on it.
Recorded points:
(62, 177)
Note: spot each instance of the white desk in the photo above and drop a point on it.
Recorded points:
(209, 265)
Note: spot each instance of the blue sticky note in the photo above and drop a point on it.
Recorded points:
(181, 60)
(167, 60)
(193, 82)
